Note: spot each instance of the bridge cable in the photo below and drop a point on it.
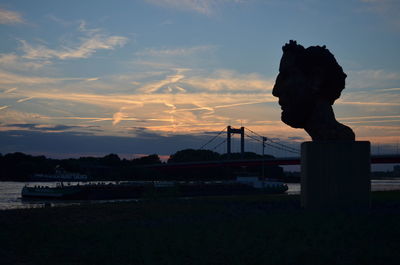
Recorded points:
(282, 145)
(218, 145)
(280, 148)
(254, 132)
(212, 138)
(285, 146)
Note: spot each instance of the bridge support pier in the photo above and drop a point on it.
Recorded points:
(335, 175)
(229, 131)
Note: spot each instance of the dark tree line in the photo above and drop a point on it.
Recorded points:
(220, 172)
(22, 167)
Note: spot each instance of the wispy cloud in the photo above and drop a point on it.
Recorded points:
(220, 81)
(230, 81)
(388, 9)
(10, 78)
(372, 122)
(372, 78)
(10, 90)
(92, 41)
(176, 51)
(7, 78)
(24, 99)
(169, 80)
(205, 7)
(13, 61)
(391, 89)
(380, 117)
(181, 100)
(367, 103)
(10, 17)
(40, 127)
(3, 107)
(167, 58)
(117, 117)
(83, 50)
(371, 98)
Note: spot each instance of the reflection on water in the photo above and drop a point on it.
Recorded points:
(294, 188)
(385, 184)
(10, 193)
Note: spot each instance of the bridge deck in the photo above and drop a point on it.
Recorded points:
(375, 159)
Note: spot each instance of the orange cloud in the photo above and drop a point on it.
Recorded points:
(10, 17)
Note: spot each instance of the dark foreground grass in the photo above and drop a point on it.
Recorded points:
(228, 230)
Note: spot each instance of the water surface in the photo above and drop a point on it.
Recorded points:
(10, 193)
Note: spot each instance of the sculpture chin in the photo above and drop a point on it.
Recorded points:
(291, 119)
(331, 132)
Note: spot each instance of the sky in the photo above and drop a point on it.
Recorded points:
(137, 77)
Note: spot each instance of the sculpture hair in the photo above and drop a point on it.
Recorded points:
(320, 67)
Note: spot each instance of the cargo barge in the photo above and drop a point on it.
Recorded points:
(129, 190)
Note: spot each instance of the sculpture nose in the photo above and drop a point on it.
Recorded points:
(275, 91)
(277, 86)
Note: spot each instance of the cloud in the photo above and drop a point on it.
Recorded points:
(117, 117)
(7, 78)
(169, 80)
(22, 125)
(91, 41)
(220, 81)
(230, 81)
(188, 111)
(296, 138)
(10, 78)
(388, 9)
(243, 103)
(175, 57)
(372, 122)
(44, 128)
(176, 51)
(32, 58)
(10, 90)
(179, 101)
(92, 79)
(10, 17)
(14, 116)
(70, 142)
(24, 99)
(13, 61)
(372, 78)
(3, 107)
(87, 47)
(379, 117)
(391, 89)
(342, 102)
(371, 98)
(205, 7)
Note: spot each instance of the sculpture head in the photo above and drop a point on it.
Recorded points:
(306, 77)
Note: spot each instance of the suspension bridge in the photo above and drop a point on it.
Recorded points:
(250, 136)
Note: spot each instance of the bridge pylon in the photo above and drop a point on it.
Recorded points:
(229, 131)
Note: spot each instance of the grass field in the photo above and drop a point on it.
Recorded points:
(225, 230)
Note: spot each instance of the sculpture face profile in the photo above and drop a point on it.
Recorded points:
(308, 83)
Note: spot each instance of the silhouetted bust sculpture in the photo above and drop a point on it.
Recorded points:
(308, 83)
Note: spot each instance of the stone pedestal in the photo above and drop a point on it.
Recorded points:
(335, 175)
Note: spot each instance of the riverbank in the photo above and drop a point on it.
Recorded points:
(225, 230)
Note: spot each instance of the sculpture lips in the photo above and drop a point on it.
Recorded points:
(282, 103)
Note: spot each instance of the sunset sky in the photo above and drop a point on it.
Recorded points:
(155, 76)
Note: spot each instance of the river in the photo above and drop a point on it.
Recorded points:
(10, 193)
